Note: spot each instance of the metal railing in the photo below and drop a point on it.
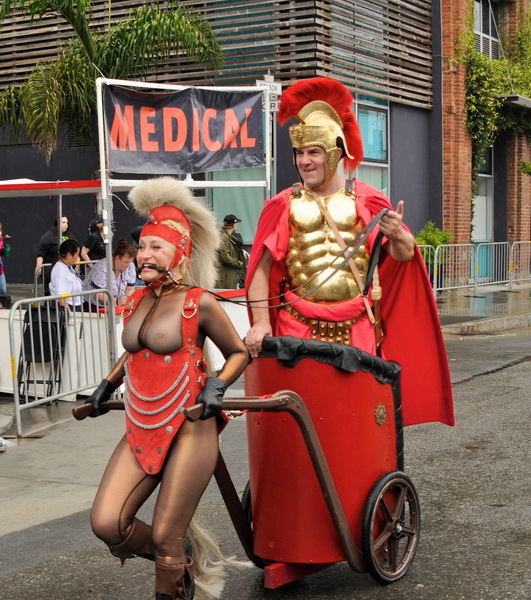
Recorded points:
(428, 256)
(519, 263)
(455, 266)
(491, 264)
(56, 352)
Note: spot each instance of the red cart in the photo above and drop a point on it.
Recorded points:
(325, 462)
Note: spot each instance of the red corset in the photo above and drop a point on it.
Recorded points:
(158, 386)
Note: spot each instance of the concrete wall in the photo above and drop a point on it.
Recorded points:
(410, 164)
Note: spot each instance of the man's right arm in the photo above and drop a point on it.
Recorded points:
(258, 293)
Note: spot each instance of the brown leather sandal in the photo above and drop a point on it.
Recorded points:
(179, 575)
(186, 586)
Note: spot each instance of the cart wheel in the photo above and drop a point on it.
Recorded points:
(391, 527)
(246, 505)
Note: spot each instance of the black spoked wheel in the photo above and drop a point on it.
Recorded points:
(391, 527)
(246, 505)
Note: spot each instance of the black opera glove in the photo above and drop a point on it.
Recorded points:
(99, 396)
(212, 397)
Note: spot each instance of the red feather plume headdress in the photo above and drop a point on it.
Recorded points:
(324, 101)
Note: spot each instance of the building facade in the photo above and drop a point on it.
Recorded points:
(500, 210)
(395, 57)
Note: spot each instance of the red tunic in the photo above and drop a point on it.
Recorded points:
(409, 314)
(158, 386)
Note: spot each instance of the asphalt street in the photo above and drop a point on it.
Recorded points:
(473, 482)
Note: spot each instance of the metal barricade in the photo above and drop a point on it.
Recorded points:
(454, 267)
(57, 353)
(491, 264)
(519, 264)
(428, 256)
(84, 266)
(39, 279)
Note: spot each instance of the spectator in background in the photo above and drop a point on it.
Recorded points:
(3, 287)
(240, 283)
(93, 226)
(94, 245)
(230, 254)
(64, 278)
(135, 234)
(123, 277)
(48, 248)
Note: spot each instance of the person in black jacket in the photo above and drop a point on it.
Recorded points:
(48, 247)
(94, 246)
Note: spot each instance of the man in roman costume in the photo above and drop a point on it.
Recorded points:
(310, 272)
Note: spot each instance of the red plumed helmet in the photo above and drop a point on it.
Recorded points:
(323, 108)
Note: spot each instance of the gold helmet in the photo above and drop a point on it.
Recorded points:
(323, 108)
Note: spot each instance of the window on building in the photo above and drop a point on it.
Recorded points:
(486, 27)
(373, 119)
(483, 219)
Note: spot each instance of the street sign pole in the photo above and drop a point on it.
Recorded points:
(270, 104)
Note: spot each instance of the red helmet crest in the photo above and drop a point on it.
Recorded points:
(323, 107)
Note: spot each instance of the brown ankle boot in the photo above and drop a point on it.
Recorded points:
(174, 581)
(137, 542)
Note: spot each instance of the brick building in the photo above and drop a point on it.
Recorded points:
(502, 207)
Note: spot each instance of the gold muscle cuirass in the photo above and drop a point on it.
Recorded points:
(313, 247)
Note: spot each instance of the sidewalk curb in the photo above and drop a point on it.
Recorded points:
(488, 325)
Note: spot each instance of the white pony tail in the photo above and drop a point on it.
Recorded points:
(210, 566)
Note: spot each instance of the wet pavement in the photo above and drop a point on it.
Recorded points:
(490, 301)
(493, 308)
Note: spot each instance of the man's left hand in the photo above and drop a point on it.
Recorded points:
(401, 243)
(391, 223)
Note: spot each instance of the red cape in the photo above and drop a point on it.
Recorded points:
(409, 314)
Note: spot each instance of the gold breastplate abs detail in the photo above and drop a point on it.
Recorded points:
(313, 246)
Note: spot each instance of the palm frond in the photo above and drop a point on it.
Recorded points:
(42, 100)
(77, 13)
(77, 78)
(134, 46)
(11, 115)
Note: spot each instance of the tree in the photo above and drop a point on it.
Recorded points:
(60, 95)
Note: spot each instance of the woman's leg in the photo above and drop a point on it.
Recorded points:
(123, 489)
(188, 469)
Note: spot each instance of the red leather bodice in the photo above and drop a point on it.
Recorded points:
(158, 386)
